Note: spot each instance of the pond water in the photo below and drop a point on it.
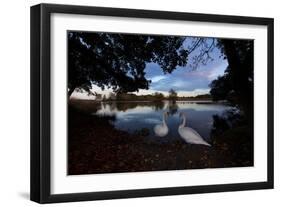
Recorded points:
(139, 117)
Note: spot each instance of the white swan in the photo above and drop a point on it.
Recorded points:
(190, 135)
(161, 130)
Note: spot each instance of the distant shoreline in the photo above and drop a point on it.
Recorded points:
(151, 101)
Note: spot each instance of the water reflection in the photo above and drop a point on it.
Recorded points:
(141, 117)
(229, 119)
(172, 107)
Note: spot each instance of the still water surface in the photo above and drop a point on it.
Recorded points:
(135, 116)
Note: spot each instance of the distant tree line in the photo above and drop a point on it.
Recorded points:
(157, 96)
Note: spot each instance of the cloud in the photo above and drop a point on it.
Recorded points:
(157, 78)
(184, 79)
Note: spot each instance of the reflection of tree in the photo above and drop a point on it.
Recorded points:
(232, 137)
(88, 106)
(158, 105)
(173, 95)
(172, 107)
(125, 105)
(91, 107)
(228, 120)
(111, 105)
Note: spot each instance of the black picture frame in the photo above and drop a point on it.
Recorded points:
(40, 102)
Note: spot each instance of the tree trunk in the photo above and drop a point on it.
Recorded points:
(240, 79)
(234, 63)
(70, 91)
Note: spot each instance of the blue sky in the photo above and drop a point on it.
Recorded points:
(185, 80)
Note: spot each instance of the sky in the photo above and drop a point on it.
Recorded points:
(185, 80)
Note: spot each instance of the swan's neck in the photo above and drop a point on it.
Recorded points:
(183, 122)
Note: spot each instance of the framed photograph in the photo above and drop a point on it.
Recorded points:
(133, 103)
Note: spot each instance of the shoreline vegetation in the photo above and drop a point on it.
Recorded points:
(95, 146)
(129, 97)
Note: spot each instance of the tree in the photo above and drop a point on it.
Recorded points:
(118, 60)
(221, 87)
(111, 96)
(104, 97)
(98, 96)
(173, 94)
(240, 56)
(158, 96)
(236, 85)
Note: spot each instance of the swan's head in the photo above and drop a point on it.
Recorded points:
(166, 113)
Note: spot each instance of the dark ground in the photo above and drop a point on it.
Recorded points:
(95, 146)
